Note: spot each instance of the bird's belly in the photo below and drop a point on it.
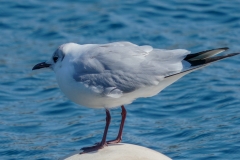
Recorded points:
(83, 95)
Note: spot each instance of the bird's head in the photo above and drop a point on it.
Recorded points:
(57, 58)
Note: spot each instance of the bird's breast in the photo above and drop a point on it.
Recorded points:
(82, 94)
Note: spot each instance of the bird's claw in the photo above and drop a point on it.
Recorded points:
(93, 148)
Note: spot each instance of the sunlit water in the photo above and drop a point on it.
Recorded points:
(197, 118)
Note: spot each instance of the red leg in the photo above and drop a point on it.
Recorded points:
(119, 136)
(103, 142)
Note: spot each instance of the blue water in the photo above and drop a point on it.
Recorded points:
(197, 117)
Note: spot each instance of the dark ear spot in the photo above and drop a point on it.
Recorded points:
(55, 58)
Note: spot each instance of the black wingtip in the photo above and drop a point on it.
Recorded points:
(201, 63)
(224, 48)
(190, 56)
(211, 59)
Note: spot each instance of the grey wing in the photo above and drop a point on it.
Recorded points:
(167, 62)
(122, 67)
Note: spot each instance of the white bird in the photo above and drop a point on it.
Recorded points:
(115, 74)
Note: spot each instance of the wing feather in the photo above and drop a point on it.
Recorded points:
(122, 67)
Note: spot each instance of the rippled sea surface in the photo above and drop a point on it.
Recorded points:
(197, 117)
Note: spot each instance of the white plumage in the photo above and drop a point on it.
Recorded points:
(110, 75)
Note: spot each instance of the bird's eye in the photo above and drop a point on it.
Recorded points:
(55, 59)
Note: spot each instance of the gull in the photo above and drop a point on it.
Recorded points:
(116, 74)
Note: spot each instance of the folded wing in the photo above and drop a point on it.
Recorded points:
(117, 68)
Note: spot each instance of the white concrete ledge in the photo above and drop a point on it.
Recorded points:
(121, 151)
